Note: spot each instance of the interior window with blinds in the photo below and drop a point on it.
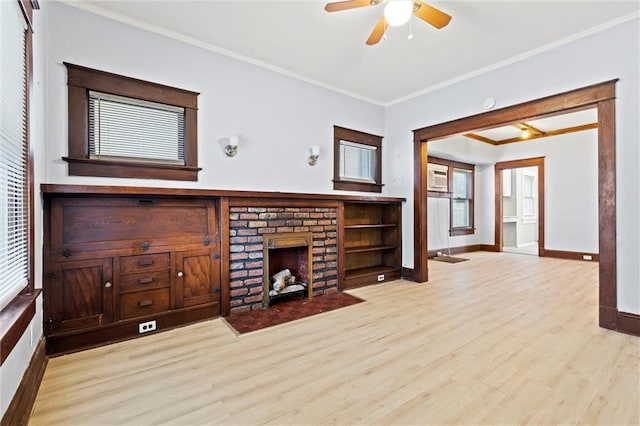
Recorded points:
(357, 162)
(461, 199)
(14, 190)
(127, 129)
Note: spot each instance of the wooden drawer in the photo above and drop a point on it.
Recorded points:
(144, 262)
(144, 303)
(145, 281)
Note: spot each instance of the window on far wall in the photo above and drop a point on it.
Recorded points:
(460, 188)
(14, 159)
(528, 199)
(461, 200)
(357, 160)
(124, 127)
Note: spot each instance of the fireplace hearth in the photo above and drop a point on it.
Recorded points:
(288, 265)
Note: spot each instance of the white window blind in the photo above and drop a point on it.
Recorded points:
(127, 129)
(14, 202)
(357, 162)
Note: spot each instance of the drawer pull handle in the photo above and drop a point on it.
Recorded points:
(145, 280)
(107, 284)
(145, 246)
(145, 262)
(144, 303)
(180, 274)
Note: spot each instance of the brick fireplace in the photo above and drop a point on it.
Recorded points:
(247, 228)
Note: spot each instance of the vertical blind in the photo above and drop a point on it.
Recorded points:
(14, 202)
(128, 129)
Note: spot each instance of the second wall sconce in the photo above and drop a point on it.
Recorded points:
(314, 154)
(231, 147)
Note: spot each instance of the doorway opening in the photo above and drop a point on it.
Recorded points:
(519, 204)
(602, 97)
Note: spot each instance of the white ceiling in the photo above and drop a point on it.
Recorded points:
(462, 148)
(546, 124)
(300, 39)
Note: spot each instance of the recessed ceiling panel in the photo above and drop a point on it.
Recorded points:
(572, 119)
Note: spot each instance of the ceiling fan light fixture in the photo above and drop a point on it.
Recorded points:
(398, 12)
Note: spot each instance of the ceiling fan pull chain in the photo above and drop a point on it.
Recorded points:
(410, 28)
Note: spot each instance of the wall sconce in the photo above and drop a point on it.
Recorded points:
(230, 144)
(314, 153)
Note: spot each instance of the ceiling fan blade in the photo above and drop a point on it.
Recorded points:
(377, 32)
(430, 14)
(348, 4)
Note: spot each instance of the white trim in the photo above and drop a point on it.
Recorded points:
(213, 48)
(358, 145)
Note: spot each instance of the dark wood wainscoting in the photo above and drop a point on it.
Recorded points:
(571, 255)
(628, 323)
(462, 249)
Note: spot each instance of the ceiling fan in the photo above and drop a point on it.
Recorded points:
(396, 12)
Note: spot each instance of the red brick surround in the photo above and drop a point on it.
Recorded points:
(247, 225)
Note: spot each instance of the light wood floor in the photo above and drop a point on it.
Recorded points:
(499, 339)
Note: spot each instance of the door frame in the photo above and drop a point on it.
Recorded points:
(517, 164)
(601, 96)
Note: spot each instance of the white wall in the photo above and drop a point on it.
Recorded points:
(608, 54)
(571, 191)
(438, 224)
(438, 219)
(278, 117)
(571, 187)
(16, 363)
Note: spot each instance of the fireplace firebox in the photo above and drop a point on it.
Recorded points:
(289, 257)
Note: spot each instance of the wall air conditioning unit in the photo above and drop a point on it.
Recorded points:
(438, 179)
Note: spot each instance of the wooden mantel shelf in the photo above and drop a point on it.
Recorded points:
(181, 192)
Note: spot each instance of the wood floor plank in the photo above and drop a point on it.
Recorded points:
(499, 339)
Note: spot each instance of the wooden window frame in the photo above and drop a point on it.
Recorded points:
(80, 80)
(341, 133)
(463, 230)
(466, 230)
(18, 314)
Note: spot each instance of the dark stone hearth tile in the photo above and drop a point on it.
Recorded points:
(289, 310)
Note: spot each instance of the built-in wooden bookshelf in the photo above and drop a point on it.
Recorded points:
(372, 249)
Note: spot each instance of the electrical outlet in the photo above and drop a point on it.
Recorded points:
(145, 327)
(587, 257)
(381, 277)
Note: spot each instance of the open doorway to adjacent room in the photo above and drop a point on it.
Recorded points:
(601, 99)
(519, 201)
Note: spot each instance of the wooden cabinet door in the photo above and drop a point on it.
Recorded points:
(197, 279)
(78, 294)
